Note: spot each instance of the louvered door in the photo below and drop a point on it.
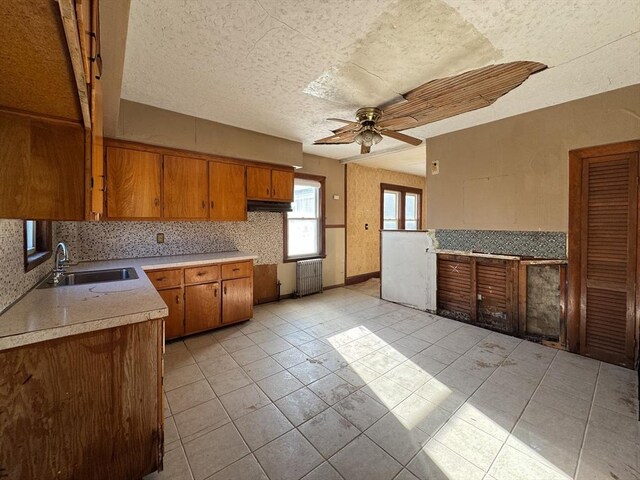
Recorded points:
(455, 289)
(609, 223)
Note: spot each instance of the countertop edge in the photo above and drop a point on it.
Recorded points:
(143, 264)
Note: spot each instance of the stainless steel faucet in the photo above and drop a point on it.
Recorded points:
(61, 261)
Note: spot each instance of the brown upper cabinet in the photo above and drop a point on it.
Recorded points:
(269, 184)
(41, 169)
(133, 184)
(50, 108)
(227, 192)
(186, 188)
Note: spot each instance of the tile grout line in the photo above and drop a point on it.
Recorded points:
(586, 427)
(522, 412)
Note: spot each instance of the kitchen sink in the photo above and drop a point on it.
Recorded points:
(90, 276)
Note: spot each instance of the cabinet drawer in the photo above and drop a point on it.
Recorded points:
(237, 270)
(205, 273)
(165, 278)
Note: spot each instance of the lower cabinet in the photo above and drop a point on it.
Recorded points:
(201, 307)
(87, 406)
(237, 302)
(174, 322)
(205, 297)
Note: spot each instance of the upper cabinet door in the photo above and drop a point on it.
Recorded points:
(282, 185)
(133, 183)
(227, 192)
(186, 188)
(258, 183)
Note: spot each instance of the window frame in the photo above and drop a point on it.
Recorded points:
(321, 221)
(43, 244)
(403, 190)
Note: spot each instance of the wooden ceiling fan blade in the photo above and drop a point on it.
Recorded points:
(398, 123)
(351, 127)
(346, 137)
(402, 137)
(364, 149)
(339, 120)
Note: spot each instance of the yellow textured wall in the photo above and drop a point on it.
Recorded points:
(363, 207)
(512, 174)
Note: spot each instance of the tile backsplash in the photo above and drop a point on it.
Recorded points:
(17, 282)
(260, 235)
(523, 243)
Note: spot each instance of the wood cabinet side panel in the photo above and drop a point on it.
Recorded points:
(85, 406)
(42, 169)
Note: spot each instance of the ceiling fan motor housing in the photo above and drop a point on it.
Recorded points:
(368, 115)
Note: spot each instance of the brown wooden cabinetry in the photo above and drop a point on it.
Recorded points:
(227, 192)
(269, 184)
(174, 322)
(42, 168)
(258, 183)
(133, 184)
(186, 188)
(205, 296)
(282, 185)
(479, 290)
(202, 307)
(237, 299)
(85, 407)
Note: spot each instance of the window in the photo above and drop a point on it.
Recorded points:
(304, 226)
(400, 207)
(37, 243)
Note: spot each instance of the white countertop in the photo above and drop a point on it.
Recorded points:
(48, 313)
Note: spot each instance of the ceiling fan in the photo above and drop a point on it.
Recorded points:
(433, 101)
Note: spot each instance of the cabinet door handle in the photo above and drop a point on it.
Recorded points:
(156, 202)
(160, 279)
(236, 269)
(267, 191)
(204, 204)
(177, 299)
(225, 290)
(215, 292)
(211, 203)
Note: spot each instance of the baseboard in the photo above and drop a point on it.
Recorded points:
(333, 286)
(361, 278)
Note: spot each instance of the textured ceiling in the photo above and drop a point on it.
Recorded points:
(282, 67)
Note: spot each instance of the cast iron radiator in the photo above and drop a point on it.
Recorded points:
(308, 277)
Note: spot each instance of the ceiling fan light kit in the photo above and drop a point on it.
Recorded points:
(435, 100)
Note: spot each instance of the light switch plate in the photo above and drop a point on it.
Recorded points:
(435, 167)
(160, 237)
(336, 196)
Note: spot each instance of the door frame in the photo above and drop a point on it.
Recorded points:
(574, 291)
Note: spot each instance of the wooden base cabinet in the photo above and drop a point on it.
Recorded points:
(174, 322)
(201, 307)
(205, 297)
(237, 299)
(87, 406)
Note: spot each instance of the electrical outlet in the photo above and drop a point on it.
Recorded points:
(160, 237)
(366, 226)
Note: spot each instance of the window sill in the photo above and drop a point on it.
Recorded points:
(310, 257)
(35, 259)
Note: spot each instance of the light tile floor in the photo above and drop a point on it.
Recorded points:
(342, 385)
